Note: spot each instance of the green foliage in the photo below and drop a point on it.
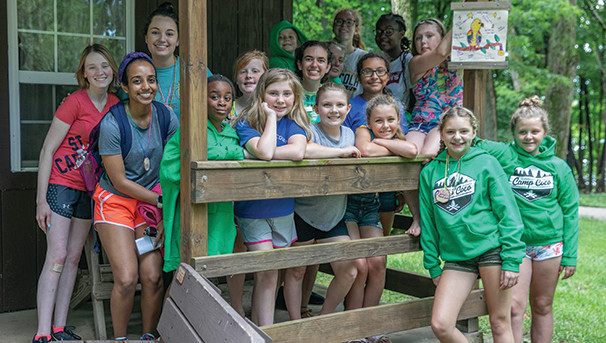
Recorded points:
(315, 17)
(593, 199)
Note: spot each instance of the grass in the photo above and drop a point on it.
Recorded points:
(593, 199)
(579, 312)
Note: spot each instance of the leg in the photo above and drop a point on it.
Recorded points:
(77, 236)
(431, 146)
(152, 290)
(293, 279)
(264, 290)
(309, 280)
(355, 297)
(519, 300)
(386, 219)
(542, 290)
(499, 304)
(417, 138)
(235, 283)
(119, 244)
(57, 239)
(376, 270)
(345, 275)
(451, 293)
(412, 200)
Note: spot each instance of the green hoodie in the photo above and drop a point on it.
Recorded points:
(480, 215)
(280, 58)
(546, 194)
(221, 228)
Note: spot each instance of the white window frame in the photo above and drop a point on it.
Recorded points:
(16, 76)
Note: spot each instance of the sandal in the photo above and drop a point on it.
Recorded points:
(378, 339)
(306, 312)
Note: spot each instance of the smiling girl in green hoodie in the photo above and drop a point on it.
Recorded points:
(548, 199)
(470, 220)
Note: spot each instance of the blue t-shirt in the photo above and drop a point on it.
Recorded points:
(357, 115)
(262, 209)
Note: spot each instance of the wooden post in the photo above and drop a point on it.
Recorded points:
(474, 91)
(192, 39)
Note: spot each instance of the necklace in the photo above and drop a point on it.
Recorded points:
(443, 195)
(146, 162)
(168, 101)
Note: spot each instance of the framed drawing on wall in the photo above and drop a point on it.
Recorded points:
(479, 35)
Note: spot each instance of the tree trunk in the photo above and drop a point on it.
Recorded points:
(581, 148)
(402, 7)
(561, 64)
(414, 14)
(490, 119)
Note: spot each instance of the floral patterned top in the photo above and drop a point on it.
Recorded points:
(438, 90)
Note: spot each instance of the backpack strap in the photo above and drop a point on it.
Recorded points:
(163, 119)
(126, 138)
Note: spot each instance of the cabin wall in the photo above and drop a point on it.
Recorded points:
(234, 26)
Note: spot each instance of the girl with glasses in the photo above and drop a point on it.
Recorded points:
(347, 28)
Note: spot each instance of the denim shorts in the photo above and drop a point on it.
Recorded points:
(306, 232)
(490, 258)
(387, 201)
(363, 209)
(422, 127)
(68, 202)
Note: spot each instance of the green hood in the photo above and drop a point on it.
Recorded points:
(546, 150)
(280, 58)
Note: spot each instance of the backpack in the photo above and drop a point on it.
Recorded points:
(90, 168)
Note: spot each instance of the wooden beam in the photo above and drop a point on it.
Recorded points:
(342, 326)
(217, 181)
(192, 28)
(248, 262)
(191, 293)
(416, 285)
(401, 281)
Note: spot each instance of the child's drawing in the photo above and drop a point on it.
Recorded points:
(479, 36)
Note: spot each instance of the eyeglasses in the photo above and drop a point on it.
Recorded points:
(347, 22)
(368, 72)
(387, 32)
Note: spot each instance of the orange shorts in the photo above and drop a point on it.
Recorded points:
(116, 210)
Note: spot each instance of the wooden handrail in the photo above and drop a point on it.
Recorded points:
(216, 181)
(222, 265)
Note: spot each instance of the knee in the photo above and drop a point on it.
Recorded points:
(125, 282)
(151, 278)
(440, 327)
(377, 266)
(500, 323)
(296, 274)
(349, 273)
(541, 306)
(518, 307)
(267, 278)
(72, 259)
(361, 269)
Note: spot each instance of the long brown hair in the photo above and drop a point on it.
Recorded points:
(255, 115)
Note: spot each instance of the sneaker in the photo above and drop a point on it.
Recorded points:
(148, 337)
(121, 339)
(42, 339)
(65, 335)
(316, 299)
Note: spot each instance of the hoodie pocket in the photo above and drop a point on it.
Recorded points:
(462, 239)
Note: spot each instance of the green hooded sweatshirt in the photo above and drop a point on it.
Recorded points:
(221, 228)
(280, 58)
(480, 214)
(546, 194)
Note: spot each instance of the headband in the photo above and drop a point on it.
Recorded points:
(129, 58)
